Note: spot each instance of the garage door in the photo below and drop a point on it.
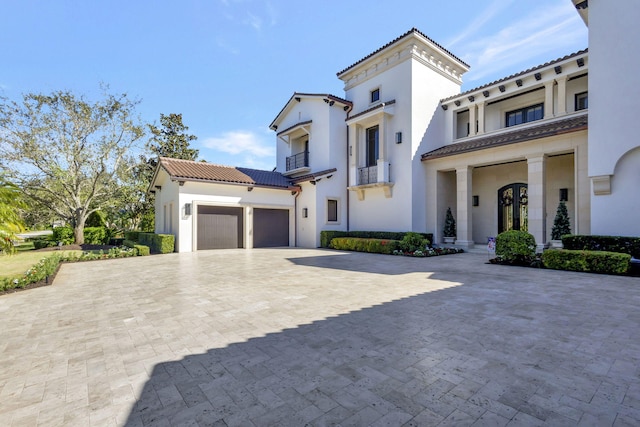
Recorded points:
(219, 227)
(270, 227)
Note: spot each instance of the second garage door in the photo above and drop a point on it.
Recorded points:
(270, 227)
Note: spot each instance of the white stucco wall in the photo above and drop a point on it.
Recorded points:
(613, 95)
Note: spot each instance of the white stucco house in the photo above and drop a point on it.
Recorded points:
(403, 144)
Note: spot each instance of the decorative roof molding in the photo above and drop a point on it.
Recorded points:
(312, 176)
(530, 71)
(298, 96)
(411, 45)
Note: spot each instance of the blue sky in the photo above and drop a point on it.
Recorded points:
(229, 66)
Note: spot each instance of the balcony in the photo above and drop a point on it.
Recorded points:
(367, 175)
(378, 176)
(298, 162)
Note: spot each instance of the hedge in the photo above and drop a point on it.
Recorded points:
(141, 250)
(358, 244)
(327, 235)
(587, 261)
(95, 235)
(620, 244)
(158, 243)
(64, 235)
(131, 235)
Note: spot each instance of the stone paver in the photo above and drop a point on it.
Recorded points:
(294, 337)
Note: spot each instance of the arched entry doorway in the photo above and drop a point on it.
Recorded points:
(512, 207)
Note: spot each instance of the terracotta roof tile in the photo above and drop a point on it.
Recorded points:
(201, 171)
(411, 31)
(572, 124)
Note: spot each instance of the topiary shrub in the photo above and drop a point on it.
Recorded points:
(561, 224)
(587, 261)
(516, 247)
(412, 242)
(449, 229)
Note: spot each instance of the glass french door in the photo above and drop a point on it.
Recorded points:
(513, 208)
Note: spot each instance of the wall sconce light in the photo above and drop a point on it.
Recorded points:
(398, 137)
(476, 200)
(187, 209)
(564, 194)
(305, 212)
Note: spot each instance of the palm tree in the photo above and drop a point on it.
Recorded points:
(10, 222)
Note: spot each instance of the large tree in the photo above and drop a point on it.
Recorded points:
(66, 153)
(168, 140)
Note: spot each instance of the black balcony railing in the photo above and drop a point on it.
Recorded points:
(300, 160)
(367, 175)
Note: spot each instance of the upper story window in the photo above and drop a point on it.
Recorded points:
(582, 101)
(375, 95)
(524, 115)
(372, 144)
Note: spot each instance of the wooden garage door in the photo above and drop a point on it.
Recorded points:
(219, 227)
(270, 227)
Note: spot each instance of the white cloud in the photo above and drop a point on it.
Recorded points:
(254, 21)
(222, 44)
(554, 30)
(481, 19)
(246, 148)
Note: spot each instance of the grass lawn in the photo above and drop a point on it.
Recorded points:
(15, 265)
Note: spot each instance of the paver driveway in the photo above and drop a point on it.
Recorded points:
(295, 337)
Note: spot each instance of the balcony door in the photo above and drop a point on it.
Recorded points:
(372, 146)
(513, 211)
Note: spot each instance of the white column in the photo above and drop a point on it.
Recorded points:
(537, 206)
(472, 119)
(464, 220)
(562, 96)
(354, 148)
(481, 118)
(383, 164)
(548, 100)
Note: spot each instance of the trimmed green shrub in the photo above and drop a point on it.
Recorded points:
(131, 235)
(42, 270)
(561, 224)
(449, 229)
(412, 242)
(327, 235)
(358, 244)
(95, 235)
(141, 250)
(96, 219)
(64, 235)
(587, 261)
(158, 243)
(620, 244)
(43, 243)
(516, 247)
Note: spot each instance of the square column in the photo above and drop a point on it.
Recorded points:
(472, 120)
(548, 100)
(464, 220)
(536, 200)
(562, 96)
(480, 118)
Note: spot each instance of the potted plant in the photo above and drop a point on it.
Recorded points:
(561, 226)
(449, 231)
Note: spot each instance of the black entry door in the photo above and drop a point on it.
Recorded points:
(513, 211)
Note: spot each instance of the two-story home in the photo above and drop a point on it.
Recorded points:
(403, 145)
